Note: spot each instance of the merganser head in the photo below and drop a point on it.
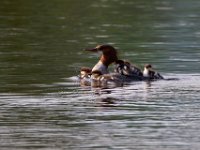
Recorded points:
(109, 53)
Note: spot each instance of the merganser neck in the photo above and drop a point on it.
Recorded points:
(107, 60)
(100, 67)
(146, 72)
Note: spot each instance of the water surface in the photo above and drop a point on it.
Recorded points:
(41, 49)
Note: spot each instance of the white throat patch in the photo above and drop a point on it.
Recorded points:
(100, 67)
(146, 73)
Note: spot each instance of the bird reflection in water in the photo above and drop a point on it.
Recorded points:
(107, 102)
(104, 98)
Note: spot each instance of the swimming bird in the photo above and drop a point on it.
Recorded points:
(99, 74)
(85, 73)
(150, 74)
(127, 69)
(85, 76)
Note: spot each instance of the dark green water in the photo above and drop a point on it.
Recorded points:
(41, 47)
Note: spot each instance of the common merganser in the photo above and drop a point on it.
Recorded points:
(99, 74)
(149, 73)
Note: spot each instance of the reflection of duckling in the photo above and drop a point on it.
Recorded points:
(150, 73)
(127, 69)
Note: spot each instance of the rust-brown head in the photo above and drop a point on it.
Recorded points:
(109, 53)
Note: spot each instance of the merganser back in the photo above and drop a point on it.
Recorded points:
(149, 73)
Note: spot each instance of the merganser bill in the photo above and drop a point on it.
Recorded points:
(149, 73)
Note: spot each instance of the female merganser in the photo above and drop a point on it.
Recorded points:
(100, 70)
(99, 74)
(149, 73)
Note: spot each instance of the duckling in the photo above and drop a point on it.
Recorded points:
(149, 73)
(85, 73)
(127, 69)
